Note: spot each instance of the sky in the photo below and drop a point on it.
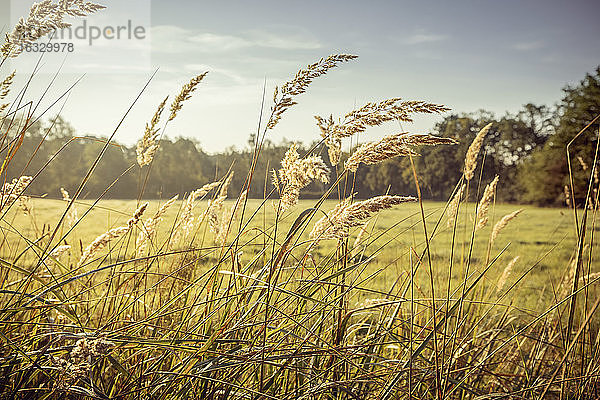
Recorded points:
(467, 55)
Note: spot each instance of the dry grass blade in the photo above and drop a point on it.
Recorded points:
(229, 218)
(359, 238)
(569, 278)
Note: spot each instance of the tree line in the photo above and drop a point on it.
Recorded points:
(526, 149)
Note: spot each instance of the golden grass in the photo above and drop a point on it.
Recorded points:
(265, 299)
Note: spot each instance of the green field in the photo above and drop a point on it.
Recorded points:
(542, 238)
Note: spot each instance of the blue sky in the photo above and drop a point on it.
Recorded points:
(468, 55)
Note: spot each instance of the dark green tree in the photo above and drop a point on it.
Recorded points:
(544, 176)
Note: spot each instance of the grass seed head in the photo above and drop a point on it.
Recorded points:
(452, 210)
(11, 191)
(484, 204)
(506, 274)
(345, 215)
(295, 174)
(473, 152)
(283, 96)
(147, 145)
(185, 94)
(396, 145)
(371, 114)
(149, 229)
(500, 225)
(44, 18)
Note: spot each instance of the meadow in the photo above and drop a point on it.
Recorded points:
(212, 295)
(542, 238)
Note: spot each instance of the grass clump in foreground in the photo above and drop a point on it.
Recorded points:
(209, 298)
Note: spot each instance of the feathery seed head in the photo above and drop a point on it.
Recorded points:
(484, 203)
(583, 164)
(59, 250)
(567, 196)
(186, 222)
(229, 218)
(400, 144)
(473, 152)
(283, 96)
(5, 85)
(452, 210)
(149, 229)
(44, 18)
(147, 145)
(185, 94)
(103, 240)
(505, 274)
(503, 222)
(72, 214)
(215, 206)
(297, 173)
(137, 215)
(371, 114)
(65, 194)
(11, 191)
(345, 215)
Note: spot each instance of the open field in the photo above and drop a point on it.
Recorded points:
(273, 307)
(543, 238)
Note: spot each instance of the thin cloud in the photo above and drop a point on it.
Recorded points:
(173, 39)
(421, 37)
(288, 42)
(222, 42)
(227, 73)
(528, 46)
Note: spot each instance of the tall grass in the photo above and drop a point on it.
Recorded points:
(223, 304)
